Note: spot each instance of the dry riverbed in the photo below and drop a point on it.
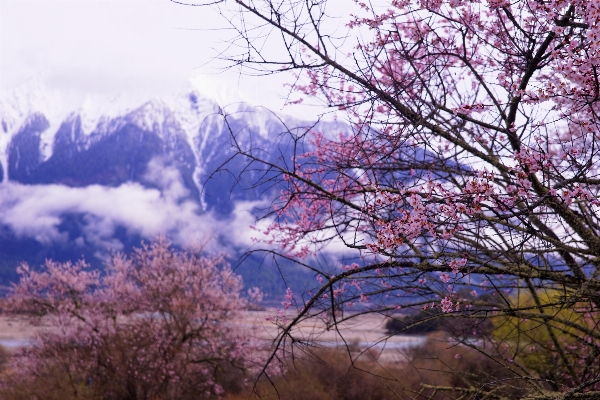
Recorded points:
(361, 333)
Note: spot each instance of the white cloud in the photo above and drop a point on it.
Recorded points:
(36, 211)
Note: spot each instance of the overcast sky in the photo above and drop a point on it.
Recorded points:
(154, 46)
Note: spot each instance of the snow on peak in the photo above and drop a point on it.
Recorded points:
(18, 104)
(233, 103)
(96, 108)
(21, 102)
(213, 89)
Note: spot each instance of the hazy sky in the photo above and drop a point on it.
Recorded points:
(107, 46)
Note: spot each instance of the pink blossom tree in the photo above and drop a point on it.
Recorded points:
(472, 163)
(158, 324)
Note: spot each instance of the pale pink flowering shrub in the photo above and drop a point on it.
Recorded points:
(158, 324)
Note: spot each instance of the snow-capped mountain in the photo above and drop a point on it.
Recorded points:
(93, 174)
(47, 138)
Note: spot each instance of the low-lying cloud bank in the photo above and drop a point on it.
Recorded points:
(37, 211)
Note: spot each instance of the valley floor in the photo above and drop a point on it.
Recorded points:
(361, 333)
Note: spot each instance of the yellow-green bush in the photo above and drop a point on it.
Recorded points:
(548, 337)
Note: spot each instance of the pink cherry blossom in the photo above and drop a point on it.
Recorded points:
(469, 162)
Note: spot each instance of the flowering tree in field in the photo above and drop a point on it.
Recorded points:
(156, 325)
(472, 165)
